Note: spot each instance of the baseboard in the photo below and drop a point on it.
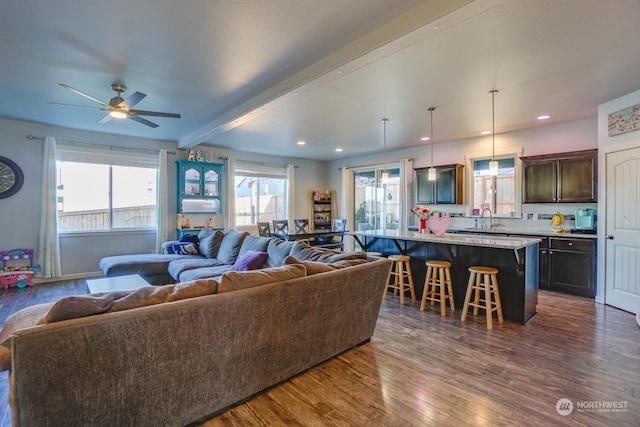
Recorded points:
(37, 280)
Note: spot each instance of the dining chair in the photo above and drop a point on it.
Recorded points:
(264, 229)
(301, 226)
(280, 226)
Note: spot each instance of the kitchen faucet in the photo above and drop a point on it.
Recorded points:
(490, 216)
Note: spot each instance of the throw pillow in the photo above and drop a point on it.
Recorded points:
(315, 267)
(251, 260)
(210, 243)
(230, 246)
(236, 280)
(184, 248)
(278, 250)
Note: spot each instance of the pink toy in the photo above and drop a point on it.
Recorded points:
(17, 275)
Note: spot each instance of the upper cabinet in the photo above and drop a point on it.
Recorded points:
(446, 189)
(561, 178)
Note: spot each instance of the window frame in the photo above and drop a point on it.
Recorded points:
(260, 171)
(111, 157)
(517, 192)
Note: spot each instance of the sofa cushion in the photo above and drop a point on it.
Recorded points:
(305, 252)
(230, 246)
(144, 264)
(25, 318)
(254, 243)
(204, 272)
(250, 260)
(184, 248)
(179, 266)
(210, 242)
(73, 307)
(236, 280)
(277, 251)
(315, 267)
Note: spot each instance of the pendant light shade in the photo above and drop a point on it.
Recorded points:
(493, 164)
(385, 173)
(431, 173)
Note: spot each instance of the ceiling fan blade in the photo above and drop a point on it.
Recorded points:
(143, 121)
(81, 93)
(105, 119)
(132, 100)
(153, 113)
(79, 106)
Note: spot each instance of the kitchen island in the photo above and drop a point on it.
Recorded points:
(516, 259)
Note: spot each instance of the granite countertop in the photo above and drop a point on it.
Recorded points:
(523, 231)
(502, 242)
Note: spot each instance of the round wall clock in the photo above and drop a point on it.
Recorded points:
(11, 178)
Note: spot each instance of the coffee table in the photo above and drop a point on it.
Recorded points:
(130, 282)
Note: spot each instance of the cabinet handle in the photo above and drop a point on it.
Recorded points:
(570, 243)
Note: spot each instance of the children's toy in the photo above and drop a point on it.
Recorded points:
(19, 275)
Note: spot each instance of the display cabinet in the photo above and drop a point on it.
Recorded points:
(321, 210)
(199, 196)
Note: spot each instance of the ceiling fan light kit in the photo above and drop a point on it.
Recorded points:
(118, 107)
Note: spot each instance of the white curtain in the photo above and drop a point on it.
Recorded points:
(162, 204)
(229, 219)
(406, 184)
(291, 193)
(347, 202)
(48, 252)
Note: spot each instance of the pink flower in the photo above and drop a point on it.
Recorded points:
(422, 211)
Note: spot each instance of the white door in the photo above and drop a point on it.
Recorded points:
(622, 230)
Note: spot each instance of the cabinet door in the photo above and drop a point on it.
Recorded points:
(426, 190)
(210, 180)
(577, 179)
(447, 186)
(539, 183)
(572, 272)
(190, 181)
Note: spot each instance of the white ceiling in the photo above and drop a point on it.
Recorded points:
(258, 75)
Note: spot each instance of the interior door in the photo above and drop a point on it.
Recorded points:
(622, 230)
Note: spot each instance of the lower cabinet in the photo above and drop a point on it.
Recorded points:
(572, 266)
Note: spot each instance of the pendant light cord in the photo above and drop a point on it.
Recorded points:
(384, 123)
(493, 124)
(432, 109)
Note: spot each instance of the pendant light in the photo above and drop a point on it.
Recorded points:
(431, 173)
(385, 173)
(493, 164)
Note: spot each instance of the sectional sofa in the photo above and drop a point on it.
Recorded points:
(179, 353)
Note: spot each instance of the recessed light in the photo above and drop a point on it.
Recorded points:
(543, 117)
(338, 150)
(301, 142)
(426, 138)
(485, 132)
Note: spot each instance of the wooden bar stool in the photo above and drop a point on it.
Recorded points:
(400, 278)
(437, 286)
(483, 279)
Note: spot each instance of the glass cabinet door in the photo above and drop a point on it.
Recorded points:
(210, 183)
(191, 182)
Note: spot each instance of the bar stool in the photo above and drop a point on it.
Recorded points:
(437, 286)
(402, 278)
(483, 279)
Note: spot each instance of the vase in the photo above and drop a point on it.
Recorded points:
(423, 225)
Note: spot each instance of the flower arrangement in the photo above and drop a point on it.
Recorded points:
(422, 211)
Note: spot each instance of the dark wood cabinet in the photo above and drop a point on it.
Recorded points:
(572, 266)
(561, 178)
(446, 189)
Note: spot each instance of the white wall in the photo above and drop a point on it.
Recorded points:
(81, 253)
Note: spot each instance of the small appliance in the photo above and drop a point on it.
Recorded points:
(585, 219)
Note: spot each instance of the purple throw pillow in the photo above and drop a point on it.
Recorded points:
(250, 260)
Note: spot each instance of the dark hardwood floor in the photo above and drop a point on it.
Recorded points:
(420, 370)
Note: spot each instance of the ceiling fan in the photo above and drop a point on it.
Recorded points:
(118, 107)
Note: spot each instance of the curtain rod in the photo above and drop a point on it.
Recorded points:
(278, 165)
(111, 147)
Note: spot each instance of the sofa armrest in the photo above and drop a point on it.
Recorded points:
(167, 245)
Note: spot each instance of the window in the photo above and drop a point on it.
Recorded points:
(497, 193)
(260, 193)
(101, 191)
(377, 205)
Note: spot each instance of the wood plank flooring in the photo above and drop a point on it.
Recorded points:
(421, 369)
